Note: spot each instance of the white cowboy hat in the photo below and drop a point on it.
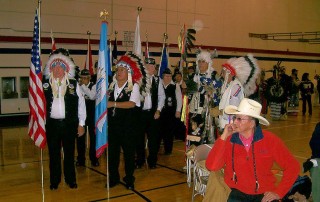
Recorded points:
(248, 107)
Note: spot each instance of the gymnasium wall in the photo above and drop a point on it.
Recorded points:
(224, 25)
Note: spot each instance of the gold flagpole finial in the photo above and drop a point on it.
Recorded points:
(165, 37)
(115, 33)
(139, 9)
(104, 15)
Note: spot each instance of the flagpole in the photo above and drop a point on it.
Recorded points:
(41, 150)
(146, 54)
(104, 15)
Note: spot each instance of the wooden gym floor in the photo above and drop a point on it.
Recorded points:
(21, 179)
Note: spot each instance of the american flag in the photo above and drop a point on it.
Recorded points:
(164, 64)
(37, 102)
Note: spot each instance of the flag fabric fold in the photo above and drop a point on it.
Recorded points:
(37, 102)
(53, 43)
(89, 64)
(101, 119)
(164, 62)
(146, 51)
(137, 39)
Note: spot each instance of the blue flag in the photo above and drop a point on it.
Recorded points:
(101, 119)
(164, 63)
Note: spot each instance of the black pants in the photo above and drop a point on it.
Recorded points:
(121, 137)
(179, 129)
(150, 127)
(168, 121)
(306, 99)
(81, 145)
(60, 133)
(238, 196)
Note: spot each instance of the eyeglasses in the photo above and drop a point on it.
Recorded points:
(240, 119)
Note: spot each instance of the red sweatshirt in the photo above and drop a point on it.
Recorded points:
(268, 149)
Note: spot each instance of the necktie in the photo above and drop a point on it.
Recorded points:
(154, 84)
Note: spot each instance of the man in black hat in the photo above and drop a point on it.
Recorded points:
(151, 108)
(88, 90)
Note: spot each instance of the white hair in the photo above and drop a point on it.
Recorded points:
(70, 65)
(206, 56)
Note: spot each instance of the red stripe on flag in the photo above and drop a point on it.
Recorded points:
(37, 104)
(37, 110)
(89, 62)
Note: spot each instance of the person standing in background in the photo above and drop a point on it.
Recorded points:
(150, 117)
(180, 129)
(240, 76)
(170, 111)
(306, 89)
(88, 90)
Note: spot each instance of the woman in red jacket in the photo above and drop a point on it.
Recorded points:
(247, 154)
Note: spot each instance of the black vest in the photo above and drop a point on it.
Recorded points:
(90, 107)
(154, 93)
(121, 117)
(171, 100)
(70, 99)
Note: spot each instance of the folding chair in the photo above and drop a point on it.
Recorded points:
(200, 172)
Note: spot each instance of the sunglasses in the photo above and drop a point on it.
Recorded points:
(234, 118)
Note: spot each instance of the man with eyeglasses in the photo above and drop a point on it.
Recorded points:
(247, 153)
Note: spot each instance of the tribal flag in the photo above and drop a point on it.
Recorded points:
(89, 64)
(164, 63)
(37, 104)
(101, 119)
(53, 43)
(137, 39)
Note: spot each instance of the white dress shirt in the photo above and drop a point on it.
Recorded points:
(135, 94)
(90, 93)
(161, 97)
(58, 107)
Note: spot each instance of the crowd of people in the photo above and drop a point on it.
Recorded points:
(144, 106)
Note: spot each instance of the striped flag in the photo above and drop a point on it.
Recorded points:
(89, 64)
(37, 102)
(137, 39)
(101, 126)
(164, 63)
